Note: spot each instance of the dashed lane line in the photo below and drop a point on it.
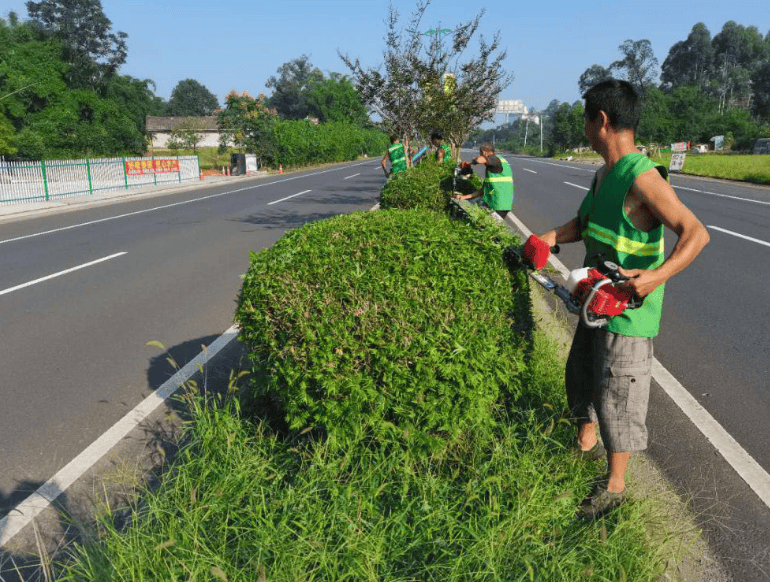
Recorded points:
(292, 196)
(60, 273)
(739, 235)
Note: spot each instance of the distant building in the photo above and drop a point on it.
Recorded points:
(159, 130)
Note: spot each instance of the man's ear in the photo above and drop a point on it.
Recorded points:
(605, 119)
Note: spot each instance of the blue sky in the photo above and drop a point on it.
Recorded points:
(239, 44)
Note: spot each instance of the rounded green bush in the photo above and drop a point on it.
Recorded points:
(428, 185)
(390, 320)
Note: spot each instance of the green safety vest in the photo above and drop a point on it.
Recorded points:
(397, 158)
(606, 229)
(498, 188)
(447, 151)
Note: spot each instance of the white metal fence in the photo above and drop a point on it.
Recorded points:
(29, 182)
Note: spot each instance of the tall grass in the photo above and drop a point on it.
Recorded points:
(243, 505)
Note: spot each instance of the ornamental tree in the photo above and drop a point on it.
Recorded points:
(424, 87)
(245, 122)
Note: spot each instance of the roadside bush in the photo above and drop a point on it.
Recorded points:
(395, 321)
(300, 142)
(428, 185)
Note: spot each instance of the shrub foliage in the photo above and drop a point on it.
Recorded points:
(428, 185)
(392, 321)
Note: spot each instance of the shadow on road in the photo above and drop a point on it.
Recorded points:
(120, 479)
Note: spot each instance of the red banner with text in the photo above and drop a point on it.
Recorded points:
(160, 166)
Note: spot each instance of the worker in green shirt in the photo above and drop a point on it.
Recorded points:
(622, 218)
(497, 188)
(443, 151)
(397, 156)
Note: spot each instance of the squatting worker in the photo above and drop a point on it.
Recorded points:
(622, 217)
(443, 151)
(397, 156)
(497, 188)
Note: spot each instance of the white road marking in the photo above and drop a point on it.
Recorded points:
(353, 176)
(756, 240)
(723, 195)
(31, 507)
(292, 196)
(164, 206)
(528, 170)
(60, 273)
(576, 185)
(732, 452)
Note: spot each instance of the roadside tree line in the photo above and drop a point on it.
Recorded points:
(707, 86)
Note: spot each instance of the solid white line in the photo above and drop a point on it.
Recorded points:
(743, 463)
(292, 196)
(353, 176)
(756, 240)
(732, 452)
(164, 206)
(576, 185)
(723, 195)
(528, 170)
(60, 273)
(31, 507)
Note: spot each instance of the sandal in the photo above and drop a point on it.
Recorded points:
(600, 502)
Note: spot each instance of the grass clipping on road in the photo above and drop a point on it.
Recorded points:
(491, 499)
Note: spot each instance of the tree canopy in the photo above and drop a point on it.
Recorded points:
(302, 91)
(191, 99)
(88, 44)
(420, 88)
(50, 107)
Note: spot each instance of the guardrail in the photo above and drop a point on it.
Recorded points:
(29, 182)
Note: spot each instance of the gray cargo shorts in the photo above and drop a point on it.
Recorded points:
(608, 382)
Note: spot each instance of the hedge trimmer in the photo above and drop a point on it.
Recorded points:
(591, 292)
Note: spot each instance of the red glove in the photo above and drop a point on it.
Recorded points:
(537, 251)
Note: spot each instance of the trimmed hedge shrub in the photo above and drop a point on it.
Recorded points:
(428, 185)
(392, 321)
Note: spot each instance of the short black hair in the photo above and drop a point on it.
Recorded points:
(436, 135)
(618, 99)
(394, 138)
(487, 147)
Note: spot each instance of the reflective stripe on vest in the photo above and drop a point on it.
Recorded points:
(607, 230)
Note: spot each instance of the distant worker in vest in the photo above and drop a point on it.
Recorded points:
(443, 151)
(397, 156)
(622, 218)
(497, 188)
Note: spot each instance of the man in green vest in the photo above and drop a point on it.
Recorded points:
(397, 156)
(443, 151)
(497, 188)
(622, 217)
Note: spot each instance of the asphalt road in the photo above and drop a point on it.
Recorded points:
(714, 339)
(83, 292)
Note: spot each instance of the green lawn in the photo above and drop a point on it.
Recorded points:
(740, 167)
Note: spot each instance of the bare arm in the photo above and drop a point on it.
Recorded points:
(662, 202)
